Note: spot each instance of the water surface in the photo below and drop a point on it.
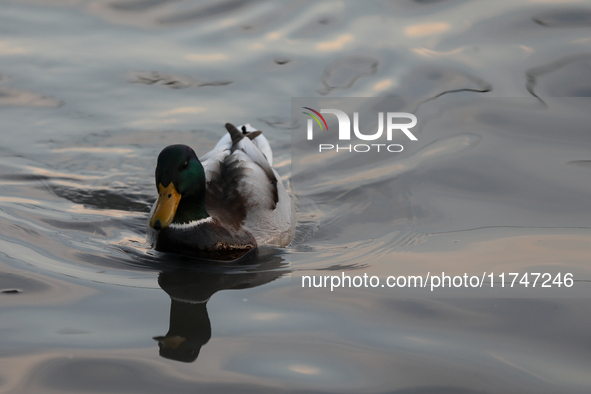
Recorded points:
(91, 91)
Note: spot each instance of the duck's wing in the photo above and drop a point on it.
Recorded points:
(269, 214)
(244, 190)
(253, 174)
(223, 200)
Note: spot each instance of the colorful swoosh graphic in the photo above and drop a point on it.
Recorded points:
(315, 118)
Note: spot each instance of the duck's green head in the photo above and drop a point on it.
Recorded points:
(180, 180)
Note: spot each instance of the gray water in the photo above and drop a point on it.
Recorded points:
(498, 181)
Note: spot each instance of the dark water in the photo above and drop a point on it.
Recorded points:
(498, 181)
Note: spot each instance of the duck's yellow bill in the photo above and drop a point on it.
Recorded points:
(168, 201)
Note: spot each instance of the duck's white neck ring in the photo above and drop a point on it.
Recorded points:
(191, 224)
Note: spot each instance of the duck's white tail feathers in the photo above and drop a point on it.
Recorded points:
(259, 141)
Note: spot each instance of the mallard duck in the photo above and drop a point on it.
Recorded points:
(224, 205)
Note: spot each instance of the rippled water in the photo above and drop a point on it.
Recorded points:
(499, 180)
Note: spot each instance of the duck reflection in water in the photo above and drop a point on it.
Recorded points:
(190, 289)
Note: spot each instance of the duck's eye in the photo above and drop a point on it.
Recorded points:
(185, 165)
